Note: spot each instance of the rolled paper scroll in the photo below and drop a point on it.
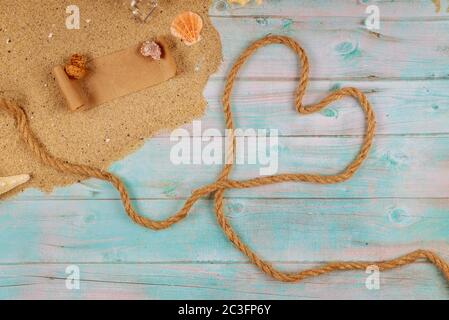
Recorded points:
(115, 75)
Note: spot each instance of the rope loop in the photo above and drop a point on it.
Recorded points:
(223, 183)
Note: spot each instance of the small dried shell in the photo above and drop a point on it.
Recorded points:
(9, 183)
(74, 72)
(187, 26)
(78, 60)
(151, 49)
(76, 68)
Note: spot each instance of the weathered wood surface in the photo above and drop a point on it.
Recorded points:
(398, 166)
(397, 202)
(341, 48)
(209, 281)
(390, 10)
(287, 230)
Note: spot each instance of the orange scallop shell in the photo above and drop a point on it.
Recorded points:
(187, 26)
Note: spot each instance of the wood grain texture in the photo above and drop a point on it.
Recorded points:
(390, 10)
(398, 166)
(211, 281)
(411, 107)
(286, 230)
(398, 202)
(340, 48)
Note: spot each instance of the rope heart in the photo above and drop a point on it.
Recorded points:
(223, 182)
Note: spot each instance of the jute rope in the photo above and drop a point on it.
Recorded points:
(223, 182)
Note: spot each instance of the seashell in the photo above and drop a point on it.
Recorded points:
(187, 26)
(74, 72)
(9, 183)
(151, 49)
(76, 68)
(78, 60)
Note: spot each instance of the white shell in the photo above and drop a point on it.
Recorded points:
(151, 49)
(9, 183)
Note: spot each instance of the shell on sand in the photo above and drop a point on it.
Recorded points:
(187, 26)
(76, 68)
(151, 49)
(9, 183)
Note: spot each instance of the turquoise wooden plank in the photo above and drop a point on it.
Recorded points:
(210, 281)
(412, 107)
(339, 47)
(292, 230)
(332, 8)
(409, 166)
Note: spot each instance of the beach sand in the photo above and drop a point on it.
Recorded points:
(34, 38)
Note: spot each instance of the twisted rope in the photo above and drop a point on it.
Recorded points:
(223, 182)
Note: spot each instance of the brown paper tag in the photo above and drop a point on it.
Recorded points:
(115, 75)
